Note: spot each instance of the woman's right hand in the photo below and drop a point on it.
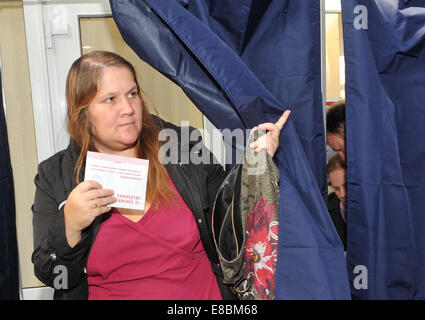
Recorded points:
(87, 201)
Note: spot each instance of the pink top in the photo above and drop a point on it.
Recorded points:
(160, 257)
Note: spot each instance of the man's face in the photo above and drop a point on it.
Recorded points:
(338, 182)
(337, 142)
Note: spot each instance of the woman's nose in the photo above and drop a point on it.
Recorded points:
(126, 107)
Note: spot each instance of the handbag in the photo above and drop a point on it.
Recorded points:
(245, 225)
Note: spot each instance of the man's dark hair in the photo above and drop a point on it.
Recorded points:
(335, 117)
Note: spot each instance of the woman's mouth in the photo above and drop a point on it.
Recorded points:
(126, 124)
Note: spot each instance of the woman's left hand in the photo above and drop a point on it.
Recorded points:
(270, 141)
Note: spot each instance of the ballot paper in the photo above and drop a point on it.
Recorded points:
(126, 176)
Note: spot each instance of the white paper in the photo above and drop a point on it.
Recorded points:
(126, 176)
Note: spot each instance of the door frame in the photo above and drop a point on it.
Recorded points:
(45, 29)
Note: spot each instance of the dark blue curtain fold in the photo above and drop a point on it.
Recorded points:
(385, 114)
(9, 270)
(218, 52)
(280, 43)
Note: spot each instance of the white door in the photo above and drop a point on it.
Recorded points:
(58, 32)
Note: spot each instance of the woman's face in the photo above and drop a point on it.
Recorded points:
(116, 112)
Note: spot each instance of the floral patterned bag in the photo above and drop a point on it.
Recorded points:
(245, 226)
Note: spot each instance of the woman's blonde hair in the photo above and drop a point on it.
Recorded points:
(81, 88)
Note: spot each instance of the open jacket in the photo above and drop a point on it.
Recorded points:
(197, 185)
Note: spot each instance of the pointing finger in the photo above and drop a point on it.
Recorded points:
(282, 120)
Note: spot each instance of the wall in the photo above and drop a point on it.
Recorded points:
(335, 67)
(20, 125)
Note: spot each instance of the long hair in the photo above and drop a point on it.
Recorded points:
(81, 88)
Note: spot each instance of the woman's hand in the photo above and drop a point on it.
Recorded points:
(270, 141)
(87, 201)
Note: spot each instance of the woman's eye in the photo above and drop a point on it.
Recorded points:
(133, 94)
(109, 100)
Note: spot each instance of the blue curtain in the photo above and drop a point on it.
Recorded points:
(266, 36)
(9, 270)
(385, 125)
(243, 63)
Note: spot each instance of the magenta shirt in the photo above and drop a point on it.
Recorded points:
(160, 257)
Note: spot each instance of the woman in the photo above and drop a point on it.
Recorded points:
(163, 252)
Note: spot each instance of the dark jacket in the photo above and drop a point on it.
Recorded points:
(197, 185)
(338, 221)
